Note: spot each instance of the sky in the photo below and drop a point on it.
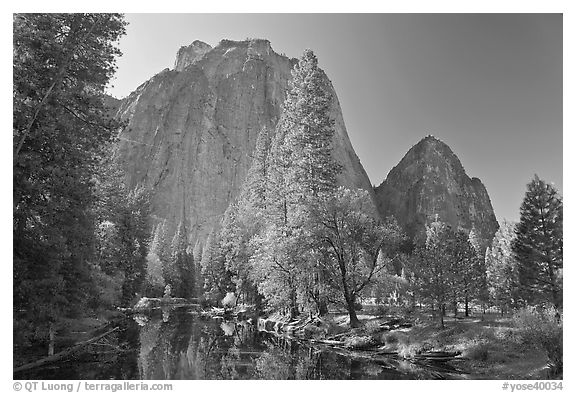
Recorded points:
(488, 85)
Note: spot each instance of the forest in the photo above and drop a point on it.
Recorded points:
(295, 243)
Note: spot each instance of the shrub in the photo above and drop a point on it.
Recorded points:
(382, 310)
(542, 326)
(409, 350)
(391, 338)
(359, 342)
(229, 300)
(477, 352)
(372, 327)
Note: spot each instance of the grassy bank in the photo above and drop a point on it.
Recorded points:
(482, 347)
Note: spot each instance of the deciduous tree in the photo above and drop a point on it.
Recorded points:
(502, 268)
(352, 241)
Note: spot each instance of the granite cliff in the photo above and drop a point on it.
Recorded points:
(192, 129)
(430, 184)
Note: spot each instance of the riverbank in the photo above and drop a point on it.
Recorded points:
(480, 348)
(68, 332)
(470, 348)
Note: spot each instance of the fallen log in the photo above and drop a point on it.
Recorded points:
(329, 342)
(62, 354)
(338, 335)
(438, 355)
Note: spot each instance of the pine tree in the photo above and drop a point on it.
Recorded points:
(134, 231)
(217, 279)
(61, 65)
(302, 170)
(157, 255)
(310, 130)
(253, 194)
(539, 246)
(180, 265)
(466, 269)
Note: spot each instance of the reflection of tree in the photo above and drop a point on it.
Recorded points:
(288, 359)
(229, 364)
(187, 347)
(129, 340)
(163, 347)
(274, 363)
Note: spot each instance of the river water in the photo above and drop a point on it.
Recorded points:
(178, 344)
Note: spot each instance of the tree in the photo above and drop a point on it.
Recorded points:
(134, 235)
(459, 256)
(253, 193)
(302, 171)
(274, 263)
(351, 241)
(310, 129)
(61, 65)
(238, 227)
(179, 267)
(155, 282)
(538, 246)
(502, 269)
(477, 273)
(217, 280)
(467, 268)
(432, 267)
(301, 163)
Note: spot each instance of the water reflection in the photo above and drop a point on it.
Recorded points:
(176, 344)
(188, 347)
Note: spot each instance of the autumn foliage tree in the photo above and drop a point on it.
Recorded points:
(502, 269)
(351, 241)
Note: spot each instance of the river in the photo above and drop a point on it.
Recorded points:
(179, 344)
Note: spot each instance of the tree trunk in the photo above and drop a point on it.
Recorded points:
(555, 297)
(455, 305)
(62, 355)
(293, 305)
(322, 307)
(51, 339)
(441, 311)
(466, 306)
(354, 322)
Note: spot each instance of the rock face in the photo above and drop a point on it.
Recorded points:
(430, 184)
(191, 130)
(188, 54)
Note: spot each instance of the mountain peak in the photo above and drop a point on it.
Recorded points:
(189, 54)
(429, 184)
(191, 134)
(431, 140)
